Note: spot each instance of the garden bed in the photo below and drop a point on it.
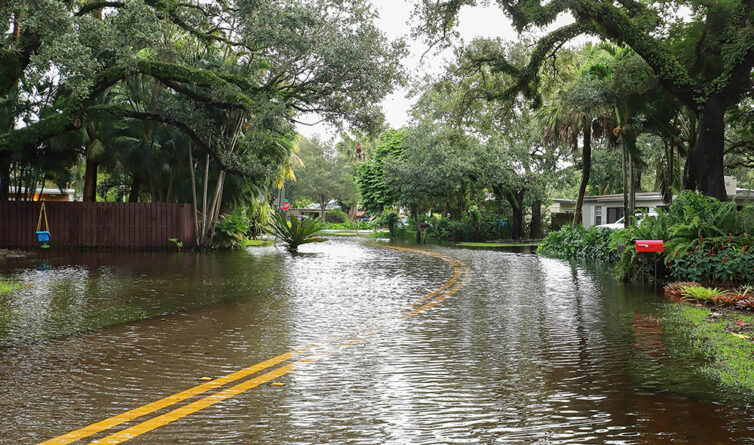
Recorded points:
(720, 295)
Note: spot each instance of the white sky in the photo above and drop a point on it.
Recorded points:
(395, 17)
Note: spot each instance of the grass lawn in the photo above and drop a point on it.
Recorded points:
(526, 244)
(727, 338)
(259, 242)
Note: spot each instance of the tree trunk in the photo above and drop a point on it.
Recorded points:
(133, 196)
(631, 189)
(415, 216)
(586, 169)
(704, 165)
(90, 181)
(535, 228)
(323, 209)
(516, 200)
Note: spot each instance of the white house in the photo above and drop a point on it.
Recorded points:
(607, 209)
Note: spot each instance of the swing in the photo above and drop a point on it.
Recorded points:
(43, 236)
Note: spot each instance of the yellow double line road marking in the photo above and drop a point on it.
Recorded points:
(427, 301)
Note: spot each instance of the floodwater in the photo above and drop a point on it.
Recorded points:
(528, 350)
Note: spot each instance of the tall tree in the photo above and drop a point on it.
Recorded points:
(325, 175)
(706, 62)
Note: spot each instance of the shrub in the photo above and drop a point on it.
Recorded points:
(593, 244)
(712, 261)
(477, 224)
(336, 216)
(231, 230)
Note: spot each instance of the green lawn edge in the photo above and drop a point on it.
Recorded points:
(731, 357)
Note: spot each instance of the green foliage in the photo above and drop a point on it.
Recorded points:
(731, 357)
(231, 230)
(294, 232)
(713, 260)
(697, 293)
(336, 216)
(178, 243)
(594, 244)
(351, 225)
(477, 224)
(370, 178)
(6, 287)
(393, 223)
(326, 175)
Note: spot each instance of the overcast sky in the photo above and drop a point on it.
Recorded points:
(395, 17)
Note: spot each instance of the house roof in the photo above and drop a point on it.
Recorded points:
(646, 196)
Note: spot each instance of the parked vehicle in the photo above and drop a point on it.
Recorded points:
(617, 225)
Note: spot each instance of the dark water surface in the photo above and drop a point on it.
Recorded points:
(530, 350)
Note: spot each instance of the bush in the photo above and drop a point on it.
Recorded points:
(350, 225)
(231, 230)
(593, 244)
(712, 261)
(336, 216)
(476, 225)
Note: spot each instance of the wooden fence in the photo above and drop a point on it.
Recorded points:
(98, 225)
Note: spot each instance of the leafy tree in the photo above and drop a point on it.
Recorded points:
(325, 175)
(370, 178)
(705, 62)
(230, 75)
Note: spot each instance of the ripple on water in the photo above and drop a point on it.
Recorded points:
(530, 350)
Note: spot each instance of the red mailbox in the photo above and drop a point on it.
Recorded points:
(649, 246)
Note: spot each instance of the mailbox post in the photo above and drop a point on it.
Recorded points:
(654, 247)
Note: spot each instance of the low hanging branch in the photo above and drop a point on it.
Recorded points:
(228, 163)
(173, 75)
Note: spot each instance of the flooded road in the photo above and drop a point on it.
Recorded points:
(373, 345)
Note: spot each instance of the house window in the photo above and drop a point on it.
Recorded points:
(614, 214)
(597, 215)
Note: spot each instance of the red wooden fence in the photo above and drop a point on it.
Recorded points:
(100, 225)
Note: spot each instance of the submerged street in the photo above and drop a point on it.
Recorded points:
(348, 341)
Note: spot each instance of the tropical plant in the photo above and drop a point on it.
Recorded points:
(178, 243)
(231, 230)
(294, 232)
(701, 293)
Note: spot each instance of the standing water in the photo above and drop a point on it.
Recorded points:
(503, 347)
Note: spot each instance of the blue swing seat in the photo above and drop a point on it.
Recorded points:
(43, 236)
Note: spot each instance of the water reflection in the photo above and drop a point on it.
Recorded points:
(531, 349)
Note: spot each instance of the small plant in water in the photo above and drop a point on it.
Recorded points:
(295, 232)
(177, 242)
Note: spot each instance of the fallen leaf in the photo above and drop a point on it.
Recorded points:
(745, 337)
(740, 322)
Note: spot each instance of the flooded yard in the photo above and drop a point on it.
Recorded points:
(503, 346)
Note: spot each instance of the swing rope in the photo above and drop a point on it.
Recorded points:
(43, 211)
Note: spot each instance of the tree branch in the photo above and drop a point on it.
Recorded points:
(225, 160)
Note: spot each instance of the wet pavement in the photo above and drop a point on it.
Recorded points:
(528, 349)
